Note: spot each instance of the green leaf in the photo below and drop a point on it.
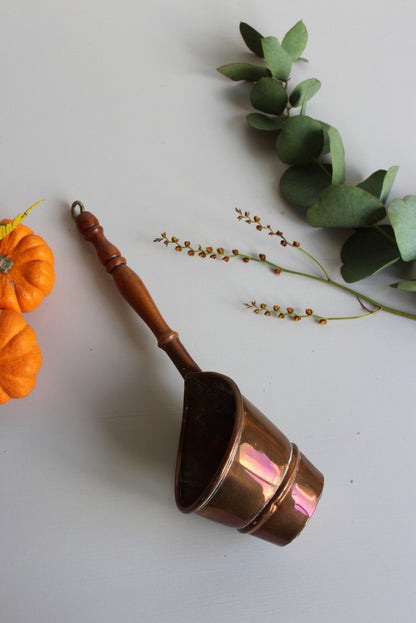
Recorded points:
(268, 95)
(326, 145)
(374, 183)
(295, 40)
(367, 252)
(409, 285)
(244, 71)
(252, 39)
(388, 183)
(303, 92)
(336, 149)
(302, 185)
(263, 122)
(345, 206)
(380, 182)
(277, 58)
(402, 214)
(300, 141)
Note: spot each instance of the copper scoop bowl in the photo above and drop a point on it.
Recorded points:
(233, 465)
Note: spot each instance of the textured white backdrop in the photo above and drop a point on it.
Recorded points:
(118, 104)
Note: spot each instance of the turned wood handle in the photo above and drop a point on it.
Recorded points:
(132, 288)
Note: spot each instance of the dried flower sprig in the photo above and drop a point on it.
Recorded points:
(284, 242)
(291, 314)
(220, 253)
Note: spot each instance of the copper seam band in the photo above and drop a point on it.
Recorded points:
(284, 486)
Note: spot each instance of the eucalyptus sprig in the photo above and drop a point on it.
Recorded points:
(383, 233)
(219, 253)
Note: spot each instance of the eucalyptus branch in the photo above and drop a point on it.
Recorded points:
(306, 145)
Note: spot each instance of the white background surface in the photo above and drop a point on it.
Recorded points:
(118, 104)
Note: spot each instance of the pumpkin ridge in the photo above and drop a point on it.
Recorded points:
(11, 326)
(41, 253)
(9, 242)
(7, 295)
(24, 366)
(19, 387)
(31, 241)
(17, 344)
(38, 274)
(28, 295)
(12, 376)
(3, 396)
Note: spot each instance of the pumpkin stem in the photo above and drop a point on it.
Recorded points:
(5, 264)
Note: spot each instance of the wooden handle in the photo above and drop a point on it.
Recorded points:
(132, 288)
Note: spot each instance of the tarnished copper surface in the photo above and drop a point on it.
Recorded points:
(234, 466)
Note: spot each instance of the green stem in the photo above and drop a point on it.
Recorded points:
(371, 313)
(316, 262)
(384, 233)
(379, 306)
(335, 284)
(322, 166)
(318, 316)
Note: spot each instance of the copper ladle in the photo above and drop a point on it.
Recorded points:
(233, 466)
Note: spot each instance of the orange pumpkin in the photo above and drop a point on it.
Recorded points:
(20, 356)
(26, 270)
